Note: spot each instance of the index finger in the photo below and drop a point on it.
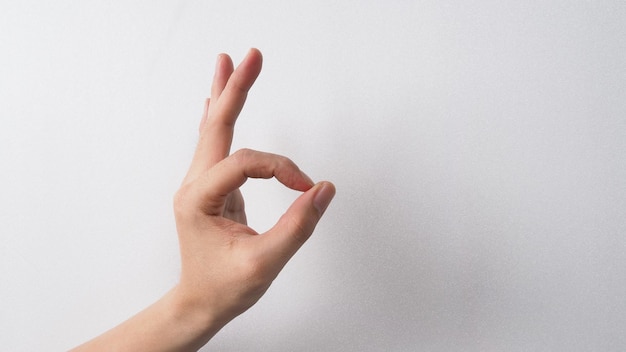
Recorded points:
(210, 190)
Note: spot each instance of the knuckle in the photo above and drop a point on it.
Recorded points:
(242, 155)
(182, 202)
(285, 162)
(299, 229)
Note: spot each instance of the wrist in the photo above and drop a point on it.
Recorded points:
(173, 323)
(194, 322)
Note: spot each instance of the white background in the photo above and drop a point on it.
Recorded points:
(478, 149)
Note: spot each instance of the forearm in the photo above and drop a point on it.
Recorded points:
(170, 324)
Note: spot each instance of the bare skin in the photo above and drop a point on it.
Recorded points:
(226, 265)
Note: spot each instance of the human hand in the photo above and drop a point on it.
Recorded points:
(226, 265)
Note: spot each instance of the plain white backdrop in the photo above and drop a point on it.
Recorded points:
(478, 149)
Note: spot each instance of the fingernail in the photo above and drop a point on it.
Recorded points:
(323, 197)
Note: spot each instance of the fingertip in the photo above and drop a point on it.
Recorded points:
(221, 58)
(218, 61)
(308, 180)
(254, 59)
(256, 52)
(323, 196)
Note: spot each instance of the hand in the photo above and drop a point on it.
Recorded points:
(226, 265)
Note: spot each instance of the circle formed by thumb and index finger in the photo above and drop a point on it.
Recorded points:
(212, 188)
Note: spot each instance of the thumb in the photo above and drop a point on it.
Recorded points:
(297, 224)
